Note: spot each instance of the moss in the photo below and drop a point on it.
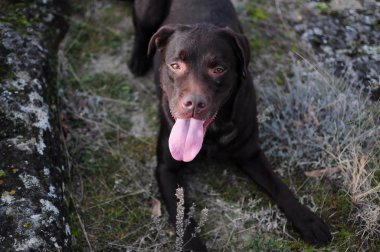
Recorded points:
(376, 112)
(112, 15)
(257, 44)
(256, 13)
(280, 78)
(78, 238)
(143, 148)
(11, 88)
(115, 86)
(344, 234)
(151, 117)
(2, 173)
(322, 7)
(15, 14)
(112, 216)
(262, 243)
(377, 174)
(6, 73)
(232, 185)
(294, 48)
(92, 37)
(76, 123)
(27, 225)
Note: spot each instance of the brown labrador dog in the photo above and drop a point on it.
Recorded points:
(207, 101)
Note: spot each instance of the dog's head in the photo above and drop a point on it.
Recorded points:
(201, 66)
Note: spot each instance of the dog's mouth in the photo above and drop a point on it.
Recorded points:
(186, 137)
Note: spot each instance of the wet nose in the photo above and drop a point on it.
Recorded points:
(197, 103)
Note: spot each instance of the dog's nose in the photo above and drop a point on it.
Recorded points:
(194, 102)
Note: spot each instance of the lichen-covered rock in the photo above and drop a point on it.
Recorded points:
(346, 40)
(32, 216)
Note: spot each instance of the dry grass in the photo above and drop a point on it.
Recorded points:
(321, 122)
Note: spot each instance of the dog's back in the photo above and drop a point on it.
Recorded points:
(217, 12)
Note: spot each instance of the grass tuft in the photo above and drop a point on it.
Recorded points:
(320, 121)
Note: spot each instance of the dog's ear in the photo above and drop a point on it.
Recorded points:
(241, 47)
(159, 39)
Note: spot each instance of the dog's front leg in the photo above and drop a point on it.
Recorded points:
(169, 179)
(311, 228)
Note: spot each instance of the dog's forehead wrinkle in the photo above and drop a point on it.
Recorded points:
(179, 49)
(197, 45)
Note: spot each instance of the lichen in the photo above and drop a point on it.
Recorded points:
(29, 32)
(24, 145)
(6, 198)
(40, 145)
(27, 245)
(29, 181)
(47, 207)
(46, 172)
(52, 192)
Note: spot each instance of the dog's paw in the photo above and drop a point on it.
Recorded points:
(139, 62)
(312, 229)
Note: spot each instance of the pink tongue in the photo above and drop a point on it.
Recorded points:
(186, 138)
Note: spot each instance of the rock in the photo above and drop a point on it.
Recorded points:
(32, 215)
(346, 38)
(346, 4)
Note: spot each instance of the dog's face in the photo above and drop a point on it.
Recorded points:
(201, 67)
(197, 75)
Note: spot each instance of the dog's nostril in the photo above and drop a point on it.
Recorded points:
(188, 104)
(201, 105)
(196, 102)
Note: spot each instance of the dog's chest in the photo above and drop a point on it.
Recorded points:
(215, 145)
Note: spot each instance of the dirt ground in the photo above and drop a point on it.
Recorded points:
(319, 130)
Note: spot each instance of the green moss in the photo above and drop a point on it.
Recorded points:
(112, 14)
(343, 203)
(14, 14)
(77, 123)
(280, 78)
(376, 112)
(88, 39)
(377, 174)
(78, 238)
(232, 185)
(108, 85)
(151, 117)
(27, 225)
(256, 13)
(6, 73)
(261, 243)
(257, 44)
(143, 148)
(294, 48)
(111, 215)
(104, 211)
(322, 7)
(2, 173)
(344, 234)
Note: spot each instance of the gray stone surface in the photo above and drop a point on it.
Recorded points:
(32, 216)
(347, 40)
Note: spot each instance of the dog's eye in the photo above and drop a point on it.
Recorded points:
(218, 70)
(175, 66)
